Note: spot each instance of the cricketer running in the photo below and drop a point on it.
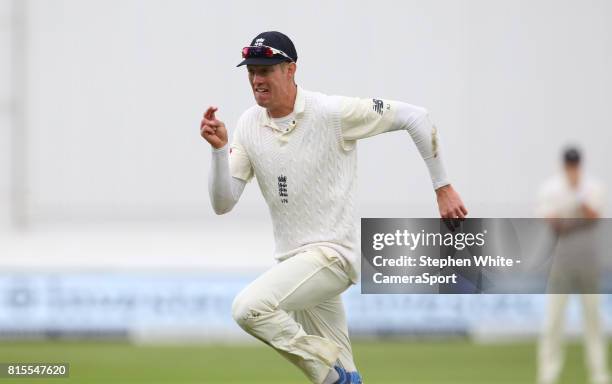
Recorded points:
(301, 146)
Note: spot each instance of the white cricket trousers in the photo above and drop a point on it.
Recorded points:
(550, 352)
(295, 307)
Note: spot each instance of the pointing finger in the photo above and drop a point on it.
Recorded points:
(210, 113)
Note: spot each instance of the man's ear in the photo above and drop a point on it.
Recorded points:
(291, 68)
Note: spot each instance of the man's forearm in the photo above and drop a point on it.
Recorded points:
(589, 212)
(416, 121)
(223, 189)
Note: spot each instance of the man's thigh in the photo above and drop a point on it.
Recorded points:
(301, 282)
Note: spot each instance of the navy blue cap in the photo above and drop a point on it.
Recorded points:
(571, 156)
(275, 40)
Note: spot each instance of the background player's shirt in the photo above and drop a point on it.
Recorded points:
(558, 199)
(575, 255)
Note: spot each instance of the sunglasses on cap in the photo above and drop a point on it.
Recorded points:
(262, 51)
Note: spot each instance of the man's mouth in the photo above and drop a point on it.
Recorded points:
(261, 90)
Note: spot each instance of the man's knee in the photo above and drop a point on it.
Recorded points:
(246, 309)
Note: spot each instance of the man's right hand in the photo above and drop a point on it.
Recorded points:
(213, 130)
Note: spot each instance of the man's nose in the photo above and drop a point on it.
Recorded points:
(257, 79)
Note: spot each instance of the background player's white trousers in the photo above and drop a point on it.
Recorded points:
(550, 353)
(295, 307)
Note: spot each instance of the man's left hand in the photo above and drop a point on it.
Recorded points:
(450, 204)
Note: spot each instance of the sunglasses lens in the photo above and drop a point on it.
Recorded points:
(256, 52)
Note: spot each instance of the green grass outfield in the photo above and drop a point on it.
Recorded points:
(456, 362)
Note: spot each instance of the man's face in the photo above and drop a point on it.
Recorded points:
(572, 172)
(270, 83)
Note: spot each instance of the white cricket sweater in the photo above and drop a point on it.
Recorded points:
(306, 166)
(309, 180)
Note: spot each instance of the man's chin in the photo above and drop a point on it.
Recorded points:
(262, 103)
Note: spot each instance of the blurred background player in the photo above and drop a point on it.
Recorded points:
(300, 146)
(571, 202)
